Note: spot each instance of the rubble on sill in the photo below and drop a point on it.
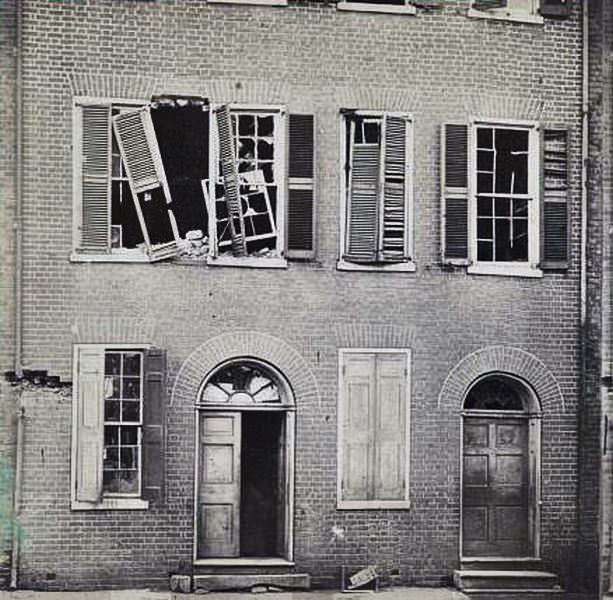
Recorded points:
(37, 378)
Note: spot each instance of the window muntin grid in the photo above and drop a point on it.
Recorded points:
(502, 177)
(123, 408)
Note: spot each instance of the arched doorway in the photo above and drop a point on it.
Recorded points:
(500, 469)
(244, 464)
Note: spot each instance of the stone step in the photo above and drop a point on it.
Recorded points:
(501, 564)
(504, 580)
(246, 581)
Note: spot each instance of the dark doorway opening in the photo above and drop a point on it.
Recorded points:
(262, 484)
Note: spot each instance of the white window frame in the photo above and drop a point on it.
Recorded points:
(405, 267)
(529, 268)
(342, 504)
(407, 9)
(108, 501)
(509, 14)
(115, 254)
(280, 124)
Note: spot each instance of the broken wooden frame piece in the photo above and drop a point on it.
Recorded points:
(142, 160)
(363, 580)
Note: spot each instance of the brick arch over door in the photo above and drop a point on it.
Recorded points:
(502, 359)
(245, 344)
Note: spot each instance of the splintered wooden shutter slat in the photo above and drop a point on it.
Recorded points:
(154, 419)
(90, 424)
(229, 172)
(135, 146)
(394, 230)
(390, 442)
(454, 192)
(555, 214)
(301, 196)
(95, 178)
(358, 450)
(362, 203)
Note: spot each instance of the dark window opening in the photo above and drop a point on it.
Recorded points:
(262, 480)
(495, 393)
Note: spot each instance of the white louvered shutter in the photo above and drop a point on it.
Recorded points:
(89, 424)
(95, 179)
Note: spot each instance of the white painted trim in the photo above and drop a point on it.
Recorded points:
(112, 503)
(514, 16)
(407, 9)
(258, 2)
(342, 504)
(115, 257)
(243, 562)
(85, 100)
(403, 267)
(504, 269)
(77, 161)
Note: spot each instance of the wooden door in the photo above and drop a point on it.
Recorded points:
(495, 510)
(220, 485)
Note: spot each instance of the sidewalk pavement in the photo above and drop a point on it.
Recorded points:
(385, 594)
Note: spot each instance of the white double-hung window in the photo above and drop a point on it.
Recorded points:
(373, 428)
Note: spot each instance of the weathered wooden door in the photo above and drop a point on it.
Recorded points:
(220, 485)
(495, 494)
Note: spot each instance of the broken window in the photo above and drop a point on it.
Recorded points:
(377, 187)
(247, 189)
(149, 186)
(503, 198)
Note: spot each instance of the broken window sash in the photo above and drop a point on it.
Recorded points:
(254, 141)
(377, 188)
(141, 157)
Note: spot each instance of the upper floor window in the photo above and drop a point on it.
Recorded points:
(376, 190)
(505, 197)
(160, 179)
(520, 10)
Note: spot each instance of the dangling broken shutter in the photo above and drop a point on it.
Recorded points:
(143, 163)
(95, 179)
(454, 193)
(555, 8)
(394, 221)
(362, 199)
(227, 157)
(154, 417)
(89, 423)
(554, 190)
(300, 202)
(487, 4)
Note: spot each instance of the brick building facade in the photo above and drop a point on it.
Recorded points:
(329, 301)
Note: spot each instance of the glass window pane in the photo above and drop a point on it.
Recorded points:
(131, 387)
(130, 411)
(111, 435)
(520, 207)
(265, 150)
(111, 458)
(112, 363)
(484, 250)
(246, 148)
(128, 458)
(484, 229)
(485, 137)
(484, 207)
(503, 240)
(246, 125)
(128, 482)
(131, 363)
(520, 239)
(372, 132)
(485, 182)
(503, 207)
(485, 160)
(111, 410)
(129, 436)
(110, 481)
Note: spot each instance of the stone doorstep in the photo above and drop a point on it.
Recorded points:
(475, 580)
(238, 581)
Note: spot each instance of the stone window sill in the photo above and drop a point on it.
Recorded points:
(373, 504)
(254, 2)
(404, 267)
(247, 261)
(378, 8)
(506, 270)
(504, 15)
(119, 257)
(111, 503)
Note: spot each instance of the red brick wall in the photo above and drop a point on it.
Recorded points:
(439, 66)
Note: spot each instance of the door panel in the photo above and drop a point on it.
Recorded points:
(495, 487)
(219, 493)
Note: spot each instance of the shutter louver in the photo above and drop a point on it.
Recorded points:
(555, 213)
(362, 203)
(229, 171)
(394, 226)
(454, 192)
(142, 160)
(89, 424)
(154, 418)
(488, 4)
(95, 179)
(555, 8)
(301, 189)
(390, 418)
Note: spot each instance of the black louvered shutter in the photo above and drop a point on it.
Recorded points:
(488, 4)
(154, 419)
(555, 197)
(555, 8)
(95, 225)
(301, 188)
(454, 190)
